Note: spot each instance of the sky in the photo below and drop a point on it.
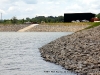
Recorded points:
(32, 8)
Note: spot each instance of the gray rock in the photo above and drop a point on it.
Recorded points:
(79, 52)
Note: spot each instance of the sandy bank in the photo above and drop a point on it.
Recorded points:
(27, 28)
(78, 52)
(41, 28)
(56, 28)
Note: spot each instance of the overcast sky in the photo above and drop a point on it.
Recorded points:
(32, 8)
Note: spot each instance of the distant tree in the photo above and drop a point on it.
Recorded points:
(22, 21)
(28, 19)
(98, 16)
(14, 20)
(60, 18)
(0, 21)
(34, 20)
(37, 19)
(40, 18)
(51, 19)
(7, 21)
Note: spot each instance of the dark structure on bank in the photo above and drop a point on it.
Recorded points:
(69, 17)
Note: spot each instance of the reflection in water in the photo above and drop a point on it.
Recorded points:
(19, 54)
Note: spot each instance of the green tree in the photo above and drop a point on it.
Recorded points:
(22, 21)
(7, 21)
(60, 18)
(14, 20)
(40, 18)
(98, 15)
(28, 19)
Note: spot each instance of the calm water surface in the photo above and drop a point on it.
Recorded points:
(19, 54)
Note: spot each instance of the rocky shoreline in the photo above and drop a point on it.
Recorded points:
(78, 52)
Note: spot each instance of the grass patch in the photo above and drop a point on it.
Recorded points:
(94, 24)
(68, 24)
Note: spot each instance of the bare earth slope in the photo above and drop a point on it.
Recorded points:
(57, 28)
(11, 28)
(41, 28)
(27, 28)
(79, 52)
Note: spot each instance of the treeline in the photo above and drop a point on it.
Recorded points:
(37, 19)
(98, 16)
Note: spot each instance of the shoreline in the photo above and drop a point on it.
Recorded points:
(78, 52)
(12, 28)
(41, 28)
(56, 28)
(27, 28)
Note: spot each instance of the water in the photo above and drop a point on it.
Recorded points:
(19, 54)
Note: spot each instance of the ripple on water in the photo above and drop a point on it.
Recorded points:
(19, 54)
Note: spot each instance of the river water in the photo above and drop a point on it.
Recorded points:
(19, 54)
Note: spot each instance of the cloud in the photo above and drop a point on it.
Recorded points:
(30, 1)
(31, 8)
(2, 11)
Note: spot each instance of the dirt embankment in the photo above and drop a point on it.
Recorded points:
(11, 28)
(27, 28)
(57, 28)
(41, 28)
(79, 52)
